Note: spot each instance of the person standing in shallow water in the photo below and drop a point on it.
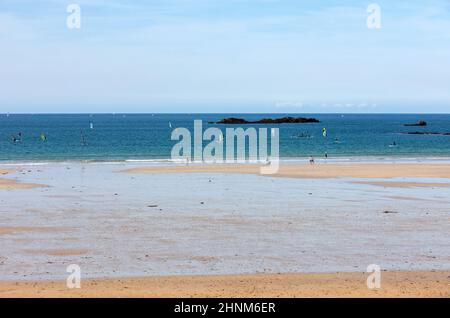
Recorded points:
(16, 138)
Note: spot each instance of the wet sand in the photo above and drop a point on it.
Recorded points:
(315, 171)
(393, 284)
(226, 231)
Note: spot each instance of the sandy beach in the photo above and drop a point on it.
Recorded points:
(232, 232)
(8, 184)
(395, 284)
(317, 170)
(193, 148)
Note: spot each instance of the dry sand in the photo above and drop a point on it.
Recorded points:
(58, 252)
(392, 184)
(393, 284)
(8, 184)
(316, 171)
(30, 229)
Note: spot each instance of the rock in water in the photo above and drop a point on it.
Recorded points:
(283, 120)
(420, 123)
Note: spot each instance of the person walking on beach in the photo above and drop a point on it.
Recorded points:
(311, 160)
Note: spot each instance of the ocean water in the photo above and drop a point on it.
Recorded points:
(147, 136)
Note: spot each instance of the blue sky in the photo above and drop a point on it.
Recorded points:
(224, 56)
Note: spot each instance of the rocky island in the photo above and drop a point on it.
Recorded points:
(283, 120)
(420, 123)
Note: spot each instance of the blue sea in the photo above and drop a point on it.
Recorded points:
(111, 137)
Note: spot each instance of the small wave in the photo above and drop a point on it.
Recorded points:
(333, 159)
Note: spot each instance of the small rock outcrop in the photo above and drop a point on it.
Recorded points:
(427, 133)
(420, 123)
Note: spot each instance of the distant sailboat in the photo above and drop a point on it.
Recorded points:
(91, 125)
(170, 125)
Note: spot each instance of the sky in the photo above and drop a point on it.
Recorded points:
(279, 56)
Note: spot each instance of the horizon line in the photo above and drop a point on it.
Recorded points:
(224, 113)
